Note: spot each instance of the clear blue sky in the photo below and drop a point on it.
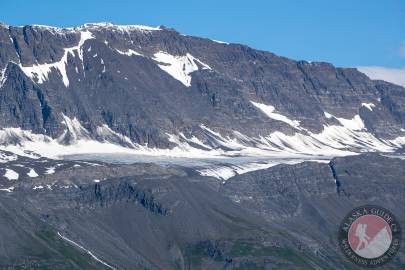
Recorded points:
(343, 32)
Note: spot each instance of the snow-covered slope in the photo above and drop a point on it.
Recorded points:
(347, 138)
(104, 88)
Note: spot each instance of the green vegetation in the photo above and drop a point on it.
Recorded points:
(245, 249)
(249, 266)
(247, 255)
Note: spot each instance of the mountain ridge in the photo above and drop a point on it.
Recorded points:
(146, 85)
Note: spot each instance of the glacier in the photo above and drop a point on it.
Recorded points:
(220, 156)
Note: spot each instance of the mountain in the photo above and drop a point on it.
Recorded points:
(132, 147)
(153, 88)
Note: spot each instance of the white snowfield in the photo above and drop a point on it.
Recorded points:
(128, 52)
(220, 42)
(74, 128)
(11, 175)
(179, 67)
(270, 111)
(32, 173)
(348, 138)
(369, 106)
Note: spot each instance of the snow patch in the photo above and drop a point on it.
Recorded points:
(129, 52)
(86, 250)
(369, 106)
(270, 111)
(221, 42)
(11, 175)
(221, 172)
(3, 77)
(352, 124)
(32, 173)
(108, 135)
(50, 170)
(179, 67)
(328, 115)
(10, 189)
(74, 130)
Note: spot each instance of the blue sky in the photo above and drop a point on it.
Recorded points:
(344, 32)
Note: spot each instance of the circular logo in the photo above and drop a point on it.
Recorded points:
(370, 236)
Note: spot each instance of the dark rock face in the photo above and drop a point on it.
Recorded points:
(141, 221)
(311, 199)
(123, 192)
(153, 217)
(134, 97)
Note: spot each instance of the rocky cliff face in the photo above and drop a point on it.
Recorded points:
(310, 199)
(105, 82)
(162, 217)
